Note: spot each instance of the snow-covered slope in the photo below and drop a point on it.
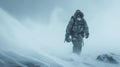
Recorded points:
(12, 59)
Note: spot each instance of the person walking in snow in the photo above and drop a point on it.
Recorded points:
(76, 30)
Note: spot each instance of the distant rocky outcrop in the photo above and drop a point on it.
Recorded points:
(109, 58)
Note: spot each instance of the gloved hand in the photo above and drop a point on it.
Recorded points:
(67, 38)
(86, 35)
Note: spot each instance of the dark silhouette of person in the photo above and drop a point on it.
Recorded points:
(77, 29)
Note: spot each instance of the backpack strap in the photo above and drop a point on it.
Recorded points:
(73, 17)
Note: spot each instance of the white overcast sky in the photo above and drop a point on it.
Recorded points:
(36, 9)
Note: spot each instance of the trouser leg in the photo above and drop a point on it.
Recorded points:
(80, 45)
(77, 45)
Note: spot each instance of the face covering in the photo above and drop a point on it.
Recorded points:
(78, 18)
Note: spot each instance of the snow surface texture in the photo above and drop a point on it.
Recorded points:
(36, 45)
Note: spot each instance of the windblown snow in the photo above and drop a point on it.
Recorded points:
(28, 44)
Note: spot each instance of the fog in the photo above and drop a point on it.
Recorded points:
(30, 36)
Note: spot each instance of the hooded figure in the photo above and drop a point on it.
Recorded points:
(77, 29)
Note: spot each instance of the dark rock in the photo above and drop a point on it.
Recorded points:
(107, 58)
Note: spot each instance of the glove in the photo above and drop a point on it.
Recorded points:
(67, 38)
(86, 35)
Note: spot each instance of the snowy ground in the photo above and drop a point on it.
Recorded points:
(12, 59)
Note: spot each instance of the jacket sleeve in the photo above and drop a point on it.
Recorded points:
(69, 26)
(86, 29)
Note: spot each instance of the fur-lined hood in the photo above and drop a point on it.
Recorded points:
(78, 12)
